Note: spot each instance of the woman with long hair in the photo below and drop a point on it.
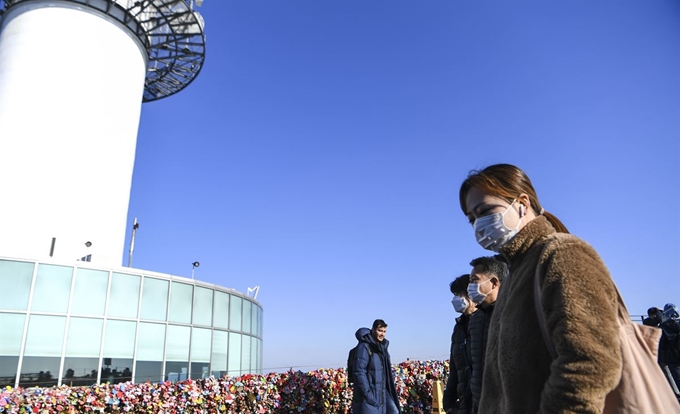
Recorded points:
(577, 296)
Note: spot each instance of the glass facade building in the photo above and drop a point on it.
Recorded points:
(79, 325)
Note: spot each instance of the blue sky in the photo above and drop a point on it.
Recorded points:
(320, 151)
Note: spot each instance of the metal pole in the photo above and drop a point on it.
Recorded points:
(135, 226)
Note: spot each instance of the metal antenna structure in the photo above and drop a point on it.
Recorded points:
(170, 31)
(73, 77)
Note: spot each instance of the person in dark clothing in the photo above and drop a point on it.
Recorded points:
(485, 282)
(457, 396)
(374, 388)
(669, 346)
(653, 317)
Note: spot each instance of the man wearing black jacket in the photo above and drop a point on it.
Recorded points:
(485, 281)
(457, 396)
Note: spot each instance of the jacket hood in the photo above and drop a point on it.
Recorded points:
(361, 332)
(364, 335)
(671, 311)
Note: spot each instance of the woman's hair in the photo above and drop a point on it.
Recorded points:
(507, 182)
(459, 285)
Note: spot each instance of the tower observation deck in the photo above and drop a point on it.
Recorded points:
(73, 76)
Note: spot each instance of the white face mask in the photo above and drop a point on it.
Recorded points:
(492, 233)
(459, 304)
(475, 295)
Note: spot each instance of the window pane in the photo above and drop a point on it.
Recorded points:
(8, 370)
(124, 296)
(154, 299)
(247, 315)
(11, 331)
(181, 297)
(177, 353)
(178, 343)
(261, 324)
(15, 279)
(254, 327)
(119, 346)
(39, 371)
(203, 302)
(150, 342)
(234, 366)
(148, 371)
(40, 366)
(52, 288)
(89, 294)
(219, 353)
(45, 336)
(235, 313)
(200, 345)
(253, 356)
(116, 370)
(200, 353)
(80, 371)
(245, 355)
(259, 355)
(120, 339)
(84, 338)
(221, 315)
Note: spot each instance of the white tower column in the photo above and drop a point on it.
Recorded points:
(73, 76)
(71, 86)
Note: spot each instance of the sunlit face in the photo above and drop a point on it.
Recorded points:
(379, 333)
(480, 204)
(488, 283)
(471, 307)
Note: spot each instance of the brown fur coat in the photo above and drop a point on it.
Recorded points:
(579, 302)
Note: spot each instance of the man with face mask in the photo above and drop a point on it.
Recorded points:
(485, 281)
(457, 396)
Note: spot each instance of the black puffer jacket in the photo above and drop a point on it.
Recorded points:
(479, 333)
(669, 346)
(460, 369)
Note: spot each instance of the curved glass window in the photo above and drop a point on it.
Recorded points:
(219, 353)
(200, 353)
(203, 304)
(42, 353)
(235, 313)
(253, 356)
(150, 345)
(15, 278)
(52, 288)
(154, 299)
(234, 362)
(124, 296)
(247, 316)
(11, 332)
(181, 298)
(83, 344)
(177, 353)
(119, 348)
(221, 312)
(254, 327)
(245, 354)
(89, 293)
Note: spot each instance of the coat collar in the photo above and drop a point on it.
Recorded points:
(537, 229)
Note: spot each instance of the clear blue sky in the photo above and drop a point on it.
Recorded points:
(320, 151)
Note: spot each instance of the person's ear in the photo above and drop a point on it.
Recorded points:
(524, 204)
